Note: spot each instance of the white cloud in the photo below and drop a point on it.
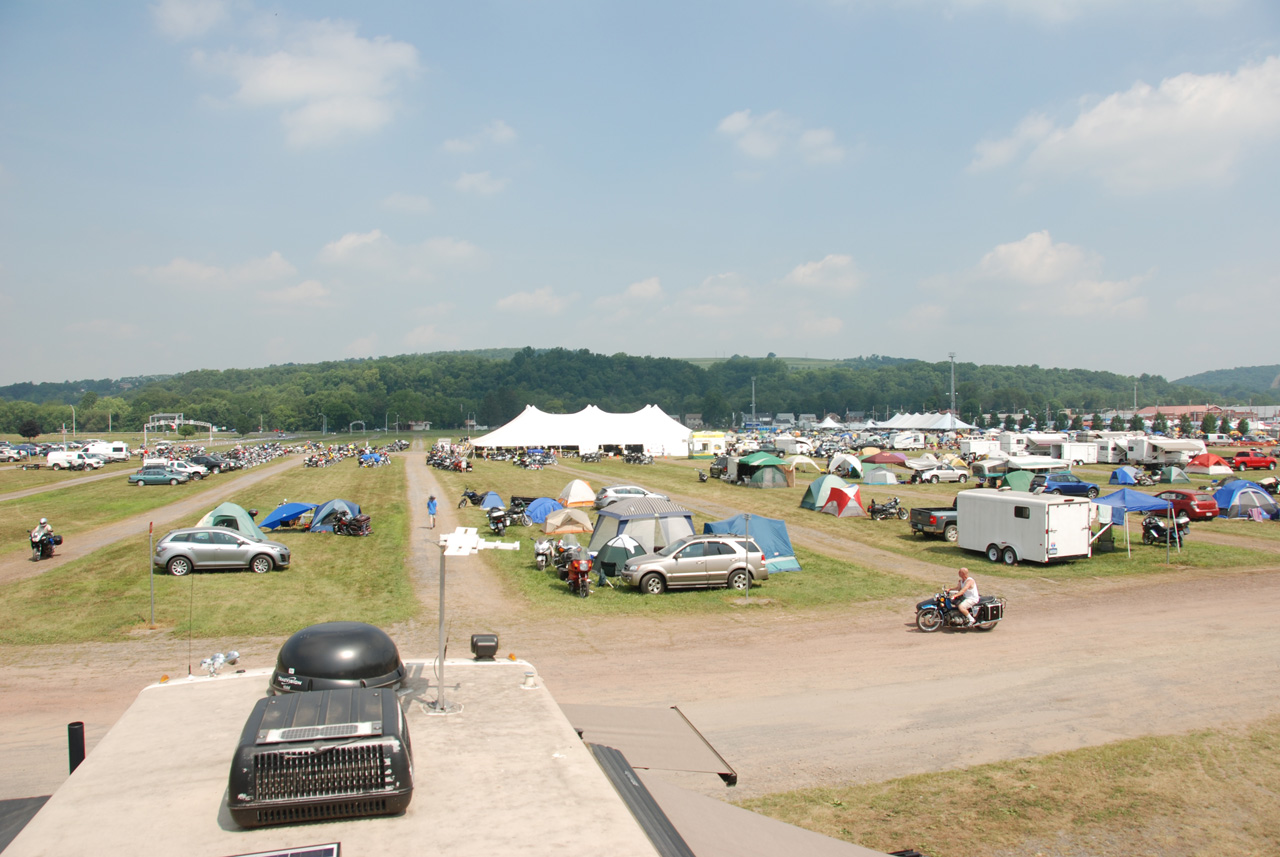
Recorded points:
(361, 347)
(1192, 129)
(835, 273)
(407, 203)
(775, 134)
(543, 300)
(1052, 11)
(1035, 274)
(326, 80)
(187, 19)
(644, 296)
(376, 253)
(483, 183)
(309, 294)
(190, 274)
(496, 133)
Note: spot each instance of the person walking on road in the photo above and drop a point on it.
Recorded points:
(431, 510)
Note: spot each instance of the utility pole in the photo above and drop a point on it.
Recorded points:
(952, 355)
(753, 400)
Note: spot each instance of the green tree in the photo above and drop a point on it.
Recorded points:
(1209, 424)
(186, 430)
(88, 400)
(1160, 424)
(1061, 421)
(30, 429)
(1184, 425)
(1010, 422)
(1077, 423)
(1117, 424)
(1136, 423)
(1243, 426)
(1095, 422)
(1025, 422)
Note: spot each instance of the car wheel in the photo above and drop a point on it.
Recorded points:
(217, 469)
(1271, 466)
(929, 620)
(653, 584)
(1091, 493)
(261, 564)
(59, 467)
(739, 580)
(179, 565)
(1056, 491)
(934, 479)
(993, 553)
(139, 483)
(963, 478)
(173, 481)
(950, 532)
(1010, 556)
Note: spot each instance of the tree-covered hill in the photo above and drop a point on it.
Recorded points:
(1260, 383)
(493, 386)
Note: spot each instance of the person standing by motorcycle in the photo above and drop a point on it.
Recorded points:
(966, 592)
(431, 510)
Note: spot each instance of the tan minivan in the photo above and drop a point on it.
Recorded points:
(698, 561)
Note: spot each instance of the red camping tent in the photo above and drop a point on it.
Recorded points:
(845, 503)
(886, 458)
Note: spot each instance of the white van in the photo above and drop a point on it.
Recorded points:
(61, 459)
(1217, 439)
(114, 450)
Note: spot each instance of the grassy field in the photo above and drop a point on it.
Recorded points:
(105, 596)
(1210, 792)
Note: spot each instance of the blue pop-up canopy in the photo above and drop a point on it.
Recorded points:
(768, 533)
(287, 512)
(1127, 500)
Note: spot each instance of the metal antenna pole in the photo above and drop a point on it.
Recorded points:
(952, 355)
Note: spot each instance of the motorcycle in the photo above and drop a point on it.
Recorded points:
(42, 546)
(1156, 531)
(579, 574)
(542, 553)
(941, 611)
(498, 521)
(470, 496)
(590, 458)
(702, 476)
(346, 525)
(892, 508)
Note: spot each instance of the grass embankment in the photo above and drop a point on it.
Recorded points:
(78, 508)
(1210, 792)
(105, 596)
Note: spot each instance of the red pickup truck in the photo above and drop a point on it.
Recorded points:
(1252, 459)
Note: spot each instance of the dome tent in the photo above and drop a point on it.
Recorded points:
(232, 517)
(816, 496)
(1125, 475)
(564, 521)
(1238, 496)
(844, 503)
(1172, 474)
(615, 553)
(577, 493)
(322, 520)
(540, 508)
(653, 523)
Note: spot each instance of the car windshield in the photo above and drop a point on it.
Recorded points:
(674, 546)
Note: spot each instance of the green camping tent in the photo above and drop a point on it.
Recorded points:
(816, 496)
(762, 470)
(233, 517)
(1018, 480)
(1174, 474)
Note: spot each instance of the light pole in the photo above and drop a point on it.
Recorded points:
(952, 355)
(73, 420)
(324, 425)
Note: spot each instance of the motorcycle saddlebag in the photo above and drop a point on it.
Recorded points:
(990, 609)
(57, 540)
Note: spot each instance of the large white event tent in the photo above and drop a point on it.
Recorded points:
(921, 422)
(591, 429)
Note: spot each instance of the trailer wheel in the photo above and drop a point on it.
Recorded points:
(1010, 556)
(993, 553)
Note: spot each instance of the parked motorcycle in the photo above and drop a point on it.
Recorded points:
(542, 553)
(346, 525)
(941, 611)
(470, 496)
(1157, 531)
(498, 521)
(579, 574)
(590, 458)
(892, 508)
(702, 476)
(42, 546)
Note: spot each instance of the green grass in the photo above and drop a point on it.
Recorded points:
(105, 596)
(14, 478)
(1210, 792)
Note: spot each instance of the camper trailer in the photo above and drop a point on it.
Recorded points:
(907, 440)
(114, 450)
(1013, 443)
(992, 469)
(1075, 453)
(1011, 526)
(1162, 450)
(978, 446)
(788, 445)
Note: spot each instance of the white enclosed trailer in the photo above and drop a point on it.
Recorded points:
(1012, 526)
(1076, 453)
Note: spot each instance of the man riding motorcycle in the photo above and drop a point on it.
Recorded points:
(966, 595)
(43, 529)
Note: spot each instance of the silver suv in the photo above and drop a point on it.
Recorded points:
(200, 548)
(614, 493)
(731, 561)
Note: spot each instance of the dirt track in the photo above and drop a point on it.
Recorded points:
(791, 699)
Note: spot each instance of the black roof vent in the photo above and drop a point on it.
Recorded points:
(334, 655)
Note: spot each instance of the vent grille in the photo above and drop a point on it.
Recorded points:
(329, 772)
(319, 812)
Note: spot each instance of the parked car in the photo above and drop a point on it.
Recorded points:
(199, 548)
(943, 473)
(697, 561)
(1198, 505)
(719, 466)
(195, 471)
(1063, 483)
(10, 453)
(157, 474)
(614, 493)
(212, 463)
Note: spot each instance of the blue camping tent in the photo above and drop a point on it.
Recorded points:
(322, 520)
(540, 508)
(492, 501)
(1125, 475)
(285, 512)
(769, 533)
(1238, 496)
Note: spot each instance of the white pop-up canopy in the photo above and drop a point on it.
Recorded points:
(591, 428)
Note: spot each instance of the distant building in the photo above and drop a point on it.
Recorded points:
(693, 421)
(423, 425)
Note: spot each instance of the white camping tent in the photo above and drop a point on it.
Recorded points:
(590, 429)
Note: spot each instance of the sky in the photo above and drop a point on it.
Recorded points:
(215, 184)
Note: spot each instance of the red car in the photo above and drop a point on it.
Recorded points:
(1198, 505)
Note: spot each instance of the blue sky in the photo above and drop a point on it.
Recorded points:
(1074, 183)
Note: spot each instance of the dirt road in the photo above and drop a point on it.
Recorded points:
(790, 698)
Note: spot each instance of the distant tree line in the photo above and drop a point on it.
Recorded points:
(493, 387)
